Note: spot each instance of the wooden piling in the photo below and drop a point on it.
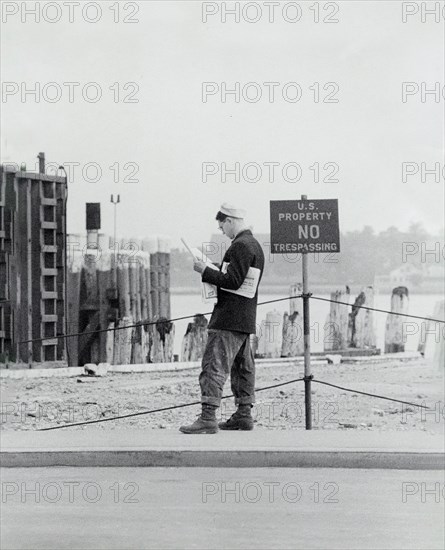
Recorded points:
(270, 337)
(144, 282)
(164, 276)
(132, 264)
(141, 294)
(293, 343)
(394, 333)
(75, 262)
(123, 285)
(337, 322)
(109, 350)
(295, 304)
(292, 335)
(146, 248)
(89, 310)
(432, 338)
(104, 283)
(361, 330)
(152, 246)
(123, 342)
(195, 339)
(163, 334)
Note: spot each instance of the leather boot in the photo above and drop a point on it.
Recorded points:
(240, 420)
(205, 424)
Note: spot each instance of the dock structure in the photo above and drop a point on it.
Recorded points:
(111, 288)
(53, 285)
(32, 266)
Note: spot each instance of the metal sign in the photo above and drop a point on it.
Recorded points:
(302, 226)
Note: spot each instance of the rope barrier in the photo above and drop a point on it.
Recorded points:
(158, 410)
(173, 407)
(139, 324)
(369, 394)
(378, 310)
(149, 323)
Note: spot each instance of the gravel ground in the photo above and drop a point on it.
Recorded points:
(40, 403)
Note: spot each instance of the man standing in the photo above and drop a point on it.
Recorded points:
(232, 322)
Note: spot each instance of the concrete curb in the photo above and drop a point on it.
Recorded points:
(64, 372)
(258, 458)
(138, 368)
(259, 448)
(316, 359)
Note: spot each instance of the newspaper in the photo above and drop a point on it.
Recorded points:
(209, 292)
(249, 285)
(247, 289)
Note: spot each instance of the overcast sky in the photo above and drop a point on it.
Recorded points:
(170, 132)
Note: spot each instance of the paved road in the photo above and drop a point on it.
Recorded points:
(126, 508)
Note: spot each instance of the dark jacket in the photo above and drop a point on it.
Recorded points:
(233, 312)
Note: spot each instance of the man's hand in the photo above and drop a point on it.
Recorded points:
(199, 266)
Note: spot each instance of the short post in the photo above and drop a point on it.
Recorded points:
(307, 341)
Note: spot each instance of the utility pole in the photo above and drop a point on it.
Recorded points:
(115, 203)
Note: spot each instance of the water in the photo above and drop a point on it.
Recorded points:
(419, 304)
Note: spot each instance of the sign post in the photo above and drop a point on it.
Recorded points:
(307, 340)
(305, 226)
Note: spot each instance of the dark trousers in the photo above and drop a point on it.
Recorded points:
(227, 352)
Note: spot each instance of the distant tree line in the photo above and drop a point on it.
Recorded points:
(364, 254)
